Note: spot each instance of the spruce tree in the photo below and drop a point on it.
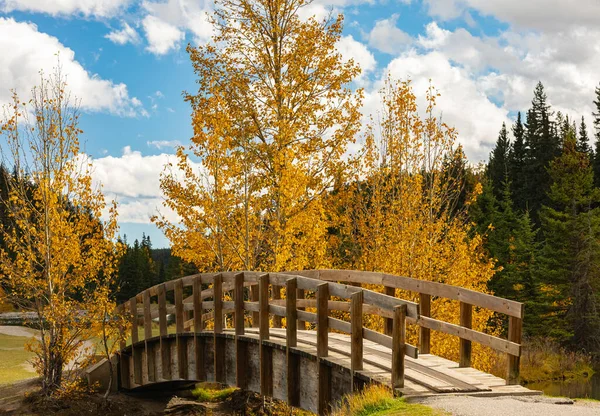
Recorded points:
(498, 165)
(570, 258)
(583, 141)
(517, 165)
(542, 146)
(596, 118)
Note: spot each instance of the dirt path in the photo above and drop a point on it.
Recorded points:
(522, 406)
(18, 331)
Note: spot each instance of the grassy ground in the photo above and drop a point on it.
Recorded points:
(378, 401)
(13, 359)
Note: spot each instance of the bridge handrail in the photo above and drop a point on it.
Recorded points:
(373, 303)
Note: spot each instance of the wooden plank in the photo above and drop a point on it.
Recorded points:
(218, 341)
(506, 306)
(266, 354)
(276, 296)
(165, 358)
(324, 388)
(147, 318)
(254, 298)
(136, 353)
(179, 318)
(496, 343)
(424, 333)
(291, 313)
(241, 350)
(263, 306)
(398, 347)
(291, 341)
(134, 320)
(162, 310)
(386, 341)
(322, 320)
(515, 329)
(124, 370)
(466, 321)
(199, 354)
(239, 304)
(218, 303)
(197, 290)
(300, 295)
(356, 322)
(388, 323)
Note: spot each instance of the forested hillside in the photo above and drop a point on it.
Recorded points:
(540, 212)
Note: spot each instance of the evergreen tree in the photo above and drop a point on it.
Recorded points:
(542, 146)
(583, 140)
(498, 166)
(596, 117)
(570, 258)
(518, 166)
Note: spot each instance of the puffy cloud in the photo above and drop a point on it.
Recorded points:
(87, 8)
(547, 15)
(133, 180)
(161, 36)
(20, 67)
(126, 35)
(387, 37)
(349, 48)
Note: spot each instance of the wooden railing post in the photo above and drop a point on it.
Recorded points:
(218, 341)
(198, 327)
(324, 370)
(179, 321)
(135, 351)
(398, 346)
(241, 352)
(300, 295)
(424, 333)
(266, 354)
(165, 344)
(388, 323)
(254, 298)
(276, 296)
(515, 330)
(150, 364)
(356, 336)
(292, 359)
(466, 320)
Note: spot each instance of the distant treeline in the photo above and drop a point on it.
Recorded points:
(540, 211)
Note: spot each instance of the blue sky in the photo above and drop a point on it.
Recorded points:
(126, 60)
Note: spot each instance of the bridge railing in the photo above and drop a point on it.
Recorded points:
(425, 290)
(255, 297)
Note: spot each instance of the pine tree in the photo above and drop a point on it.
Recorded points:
(518, 166)
(570, 258)
(498, 166)
(583, 140)
(543, 145)
(596, 116)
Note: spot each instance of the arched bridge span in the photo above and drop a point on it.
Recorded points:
(299, 336)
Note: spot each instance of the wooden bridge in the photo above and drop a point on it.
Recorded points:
(310, 368)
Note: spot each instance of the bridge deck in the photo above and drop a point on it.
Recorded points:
(427, 375)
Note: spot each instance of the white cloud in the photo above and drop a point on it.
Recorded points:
(87, 8)
(387, 37)
(548, 15)
(133, 180)
(462, 104)
(161, 144)
(123, 36)
(349, 48)
(20, 67)
(161, 36)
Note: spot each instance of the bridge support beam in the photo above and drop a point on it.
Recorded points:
(241, 348)
(424, 333)
(398, 346)
(515, 329)
(324, 370)
(218, 342)
(388, 323)
(266, 354)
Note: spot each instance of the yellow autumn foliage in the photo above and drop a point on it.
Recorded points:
(59, 258)
(400, 213)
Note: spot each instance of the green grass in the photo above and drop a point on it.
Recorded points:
(13, 359)
(378, 401)
(212, 395)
